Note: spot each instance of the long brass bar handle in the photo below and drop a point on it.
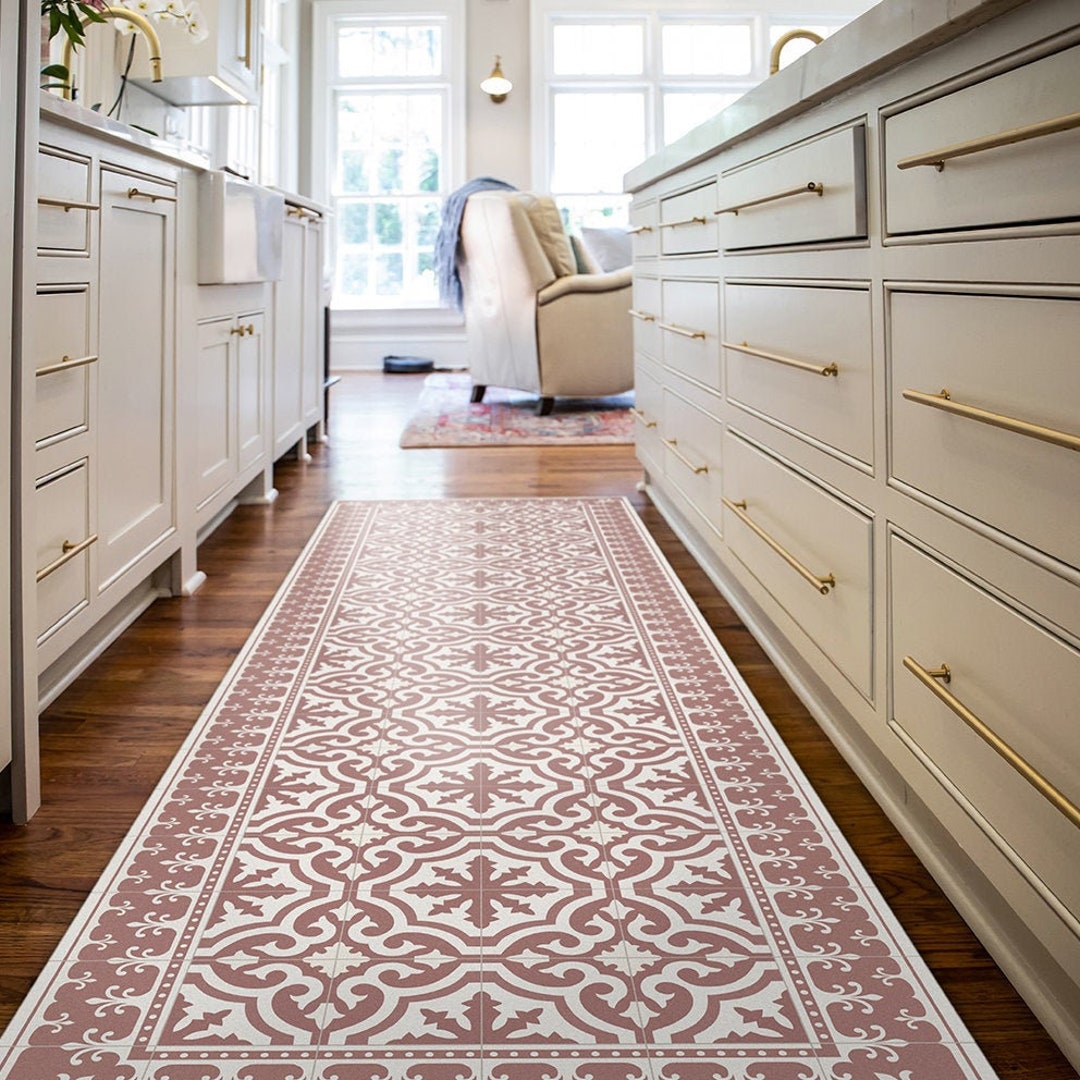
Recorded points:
(673, 446)
(66, 364)
(66, 204)
(1021, 427)
(1057, 798)
(937, 158)
(70, 550)
(644, 316)
(682, 331)
(822, 584)
(635, 411)
(135, 193)
(814, 187)
(776, 358)
(682, 221)
(634, 230)
(302, 212)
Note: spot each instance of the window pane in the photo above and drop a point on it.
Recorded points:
(683, 111)
(388, 275)
(365, 51)
(353, 223)
(597, 138)
(596, 211)
(717, 49)
(599, 49)
(353, 275)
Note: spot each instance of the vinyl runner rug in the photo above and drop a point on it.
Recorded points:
(483, 798)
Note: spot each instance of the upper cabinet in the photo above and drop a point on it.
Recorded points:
(218, 69)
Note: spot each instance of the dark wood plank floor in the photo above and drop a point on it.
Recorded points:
(110, 736)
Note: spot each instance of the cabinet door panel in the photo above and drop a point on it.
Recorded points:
(250, 381)
(312, 377)
(288, 339)
(215, 441)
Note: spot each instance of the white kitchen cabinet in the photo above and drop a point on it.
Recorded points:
(298, 331)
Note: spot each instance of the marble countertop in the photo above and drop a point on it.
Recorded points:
(879, 40)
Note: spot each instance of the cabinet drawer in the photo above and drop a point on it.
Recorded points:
(801, 355)
(644, 218)
(688, 222)
(648, 410)
(692, 449)
(63, 363)
(812, 192)
(62, 521)
(1033, 180)
(794, 536)
(690, 329)
(980, 349)
(64, 202)
(1020, 681)
(646, 314)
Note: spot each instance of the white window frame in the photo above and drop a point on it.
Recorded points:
(325, 14)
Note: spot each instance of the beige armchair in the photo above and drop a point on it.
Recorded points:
(533, 322)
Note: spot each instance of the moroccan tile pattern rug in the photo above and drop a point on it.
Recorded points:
(445, 417)
(489, 806)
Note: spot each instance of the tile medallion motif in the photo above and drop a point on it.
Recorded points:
(482, 799)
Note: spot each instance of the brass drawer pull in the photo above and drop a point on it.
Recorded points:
(66, 204)
(638, 229)
(302, 212)
(673, 446)
(638, 414)
(644, 316)
(682, 331)
(65, 364)
(1020, 427)
(802, 365)
(937, 158)
(929, 679)
(822, 584)
(240, 331)
(135, 193)
(682, 221)
(70, 550)
(814, 187)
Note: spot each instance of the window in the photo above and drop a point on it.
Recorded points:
(617, 83)
(391, 98)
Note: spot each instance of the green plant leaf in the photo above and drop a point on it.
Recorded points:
(56, 71)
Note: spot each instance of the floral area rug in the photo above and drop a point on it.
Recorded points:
(492, 805)
(445, 417)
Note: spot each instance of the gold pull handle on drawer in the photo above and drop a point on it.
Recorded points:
(250, 328)
(638, 229)
(673, 446)
(644, 316)
(153, 196)
(696, 220)
(822, 584)
(682, 331)
(238, 330)
(66, 204)
(70, 551)
(66, 363)
(813, 187)
(937, 158)
(789, 361)
(945, 402)
(1053, 795)
(635, 411)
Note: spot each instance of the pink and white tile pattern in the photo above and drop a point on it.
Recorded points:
(482, 799)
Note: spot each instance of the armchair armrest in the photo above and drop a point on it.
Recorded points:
(584, 283)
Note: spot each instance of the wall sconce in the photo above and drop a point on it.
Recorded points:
(497, 84)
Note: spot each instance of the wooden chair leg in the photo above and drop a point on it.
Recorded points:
(544, 406)
(477, 394)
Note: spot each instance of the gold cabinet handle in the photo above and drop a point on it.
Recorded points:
(66, 363)
(776, 358)
(66, 204)
(638, 414)
(682, 221)
(945, 402)
(929, 679)
(135, 193)
(682, 331)
(814, 187)
(240, 331)
(70, 551)
(673, 446)
(634, 230)
(250, 328)
(301, 212)
(937, 158)
(822, 584)
(644, 316)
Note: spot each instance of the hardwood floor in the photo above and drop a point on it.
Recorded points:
(110, 736)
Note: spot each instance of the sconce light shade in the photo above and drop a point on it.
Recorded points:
(497, 85)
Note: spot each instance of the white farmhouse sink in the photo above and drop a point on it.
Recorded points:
(240, 228)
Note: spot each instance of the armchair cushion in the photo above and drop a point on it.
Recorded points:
(547, 223)
(610, 248)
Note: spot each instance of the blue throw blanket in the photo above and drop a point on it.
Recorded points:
(446, 273)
